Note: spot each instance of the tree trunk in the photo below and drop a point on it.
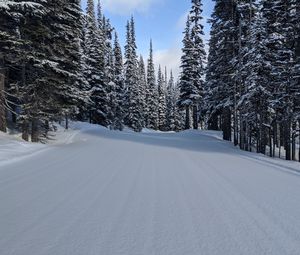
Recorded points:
(294, 126)
(2, 104)
(67, 121)
(275, 129)
(235, 122)
(195, 117)
(25, 130)
(90, 116)
(299, 141)
(279, 140)
(262, 134)
(250, 140)
(14, 115)
(47, 127)
(34, 131)
(213, 122)
(247, 136)
(187, 117)
(287, 140)
(263, 141)
(270, 142)
(227, 124)
(242, 133)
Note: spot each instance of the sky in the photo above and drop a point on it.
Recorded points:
(163, 21)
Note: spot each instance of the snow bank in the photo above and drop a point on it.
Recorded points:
(13, 148)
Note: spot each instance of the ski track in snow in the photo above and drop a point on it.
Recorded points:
(116, 193)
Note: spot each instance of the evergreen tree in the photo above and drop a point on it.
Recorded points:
(69, 23)
(151, 94)
(179, 115)
(9, 51)
(295, 18)
(84, 111)
(95, 63)
(198, 56)
(171, 106)
(280, 43)
(109, 83)
(118, 122)
(244, 12)
(256, 99)
(142, 89)
(296, 74)
(188, 92)
(161, 101)
(221, 87)
(15, 52)
(47, 79)
(133, 118)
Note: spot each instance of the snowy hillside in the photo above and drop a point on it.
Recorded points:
(111, 193)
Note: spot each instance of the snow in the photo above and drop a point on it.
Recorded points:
(7, 4)
(110, 192)
(13, 148)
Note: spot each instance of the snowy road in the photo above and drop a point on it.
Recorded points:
(111, 193)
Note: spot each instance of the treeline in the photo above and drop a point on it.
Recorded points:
(58, 62)
(252, 88)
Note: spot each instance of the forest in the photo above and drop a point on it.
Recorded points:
(60, 63)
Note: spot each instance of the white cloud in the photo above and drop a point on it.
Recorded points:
(169, 58)
(123, 7)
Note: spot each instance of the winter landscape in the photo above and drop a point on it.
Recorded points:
(149, 127)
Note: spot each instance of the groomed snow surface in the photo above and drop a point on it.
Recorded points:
(103, 192)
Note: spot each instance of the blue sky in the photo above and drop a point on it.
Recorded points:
(161, 20)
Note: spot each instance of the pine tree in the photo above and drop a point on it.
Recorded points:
(151, 94)
(133, 117)
(142, 89)
(9, 50)
(296, 73)
(280, 29)
(118, 122)
(84, 108)
(109, 83)
(188, 92)
(43, 93)
(296, 69)
(171, 105)
(256, 99)
(221, 87)
(244, 12)
(95, 62)
(14, 50)
(69, 23)
(179, 115)
(161, 101)
(198, 56)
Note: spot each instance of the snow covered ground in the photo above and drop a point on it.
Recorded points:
(13, 148)
(113, 193)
